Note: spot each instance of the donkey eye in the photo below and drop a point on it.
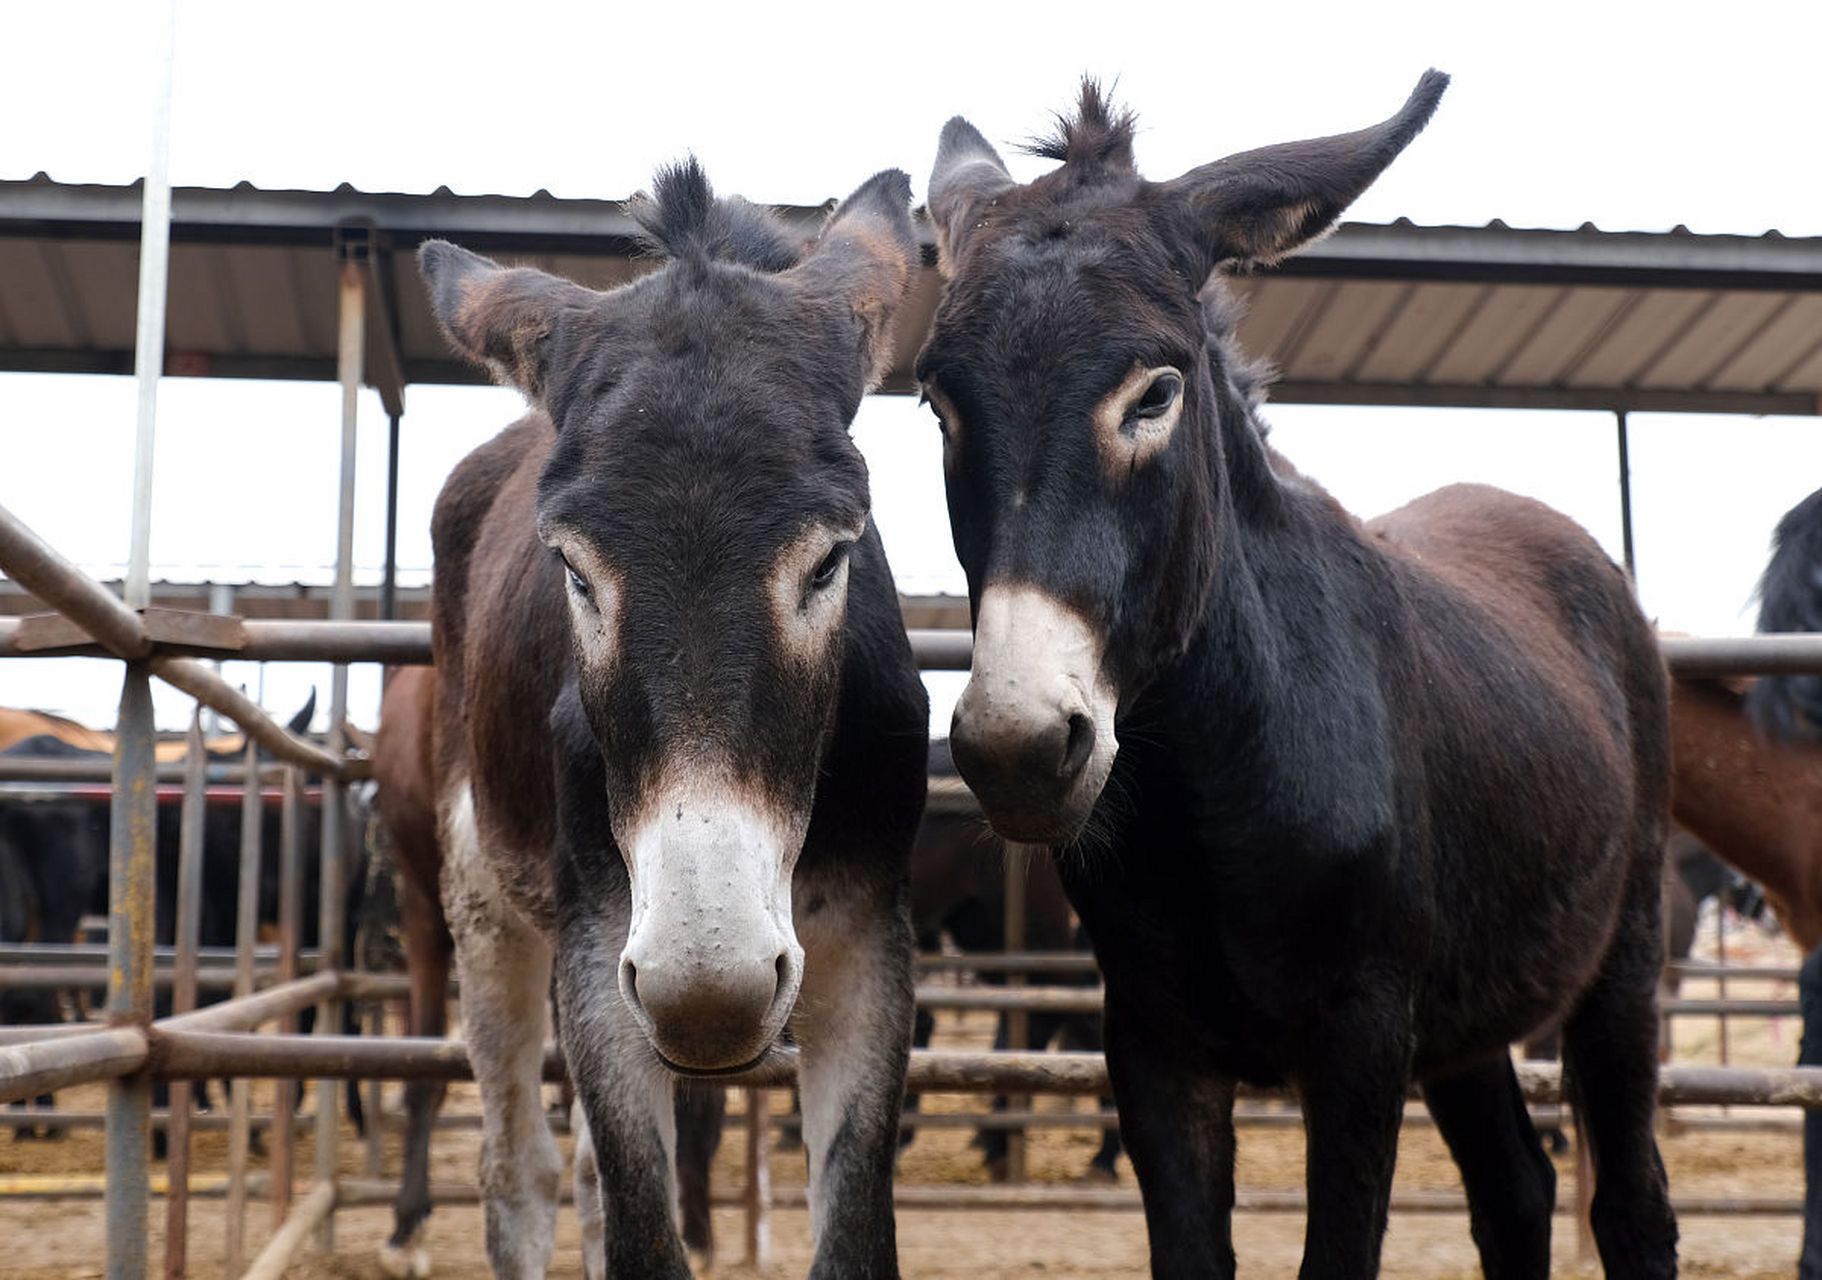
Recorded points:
(577, 583)
(935, 412)
(1159, 396)
(830, 565)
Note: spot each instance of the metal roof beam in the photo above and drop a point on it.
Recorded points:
(1602, 399)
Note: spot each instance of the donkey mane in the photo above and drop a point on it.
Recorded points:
(684, 219)
(1098, 136)
(1250, 377)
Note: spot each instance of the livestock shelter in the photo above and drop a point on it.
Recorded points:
(323, 285)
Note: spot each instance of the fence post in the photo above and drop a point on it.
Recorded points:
(132, 878)
(284, 1093)
(183, 998)
(246, 932)
(758, 1195)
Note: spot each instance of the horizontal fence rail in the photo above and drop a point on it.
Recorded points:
(408, 643)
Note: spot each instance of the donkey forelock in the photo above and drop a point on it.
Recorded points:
(682, 218)
(1098, 135)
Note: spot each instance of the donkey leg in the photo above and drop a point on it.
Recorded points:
(624, 1098)
(1610, 1060)
(427, 949)
(853, 1027)
(1511, 1184)
(587, 1178)
(1353, 1103)
(504, 965)
(1809, 1262)
(700, 1109)
(1177, 1121)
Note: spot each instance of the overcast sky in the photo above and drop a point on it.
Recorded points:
(1633, 117)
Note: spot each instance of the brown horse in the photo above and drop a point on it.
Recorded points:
(1342, 805)
(1755, 800)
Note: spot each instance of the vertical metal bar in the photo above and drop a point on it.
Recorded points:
(183, 998)
(376, 1097)
(1720, 984)
(290, 908)
(389, 584)
(329, 1013)
(1018, 1022)
(132, 866)
(758, 1194)
(246, 931)
(1625, 444)
(154, 273)
(221, 602)
(352, 339)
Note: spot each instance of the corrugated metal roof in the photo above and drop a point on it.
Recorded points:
(1392, 314)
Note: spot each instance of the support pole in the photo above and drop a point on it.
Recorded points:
(132, 866)
(290, 882)
(183, 999)
(1625, 446)
(246, 931)
(389, 585)
(154, 274)
(334, 811)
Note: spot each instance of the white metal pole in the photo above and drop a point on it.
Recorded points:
(154, 273)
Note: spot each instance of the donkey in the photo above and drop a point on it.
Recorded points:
(1341, 805)
(680, 737)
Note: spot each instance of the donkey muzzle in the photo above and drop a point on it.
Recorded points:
(711, 967)
(1033, 733)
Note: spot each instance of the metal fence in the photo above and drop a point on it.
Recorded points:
(131, 1049)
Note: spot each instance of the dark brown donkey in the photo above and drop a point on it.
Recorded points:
(680, 736)
(1341, 805)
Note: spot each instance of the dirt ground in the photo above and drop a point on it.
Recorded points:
(42, 1239)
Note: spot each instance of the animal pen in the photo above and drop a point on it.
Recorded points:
(1395, 278)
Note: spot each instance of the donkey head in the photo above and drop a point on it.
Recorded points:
(1079, 371)
(700, 503)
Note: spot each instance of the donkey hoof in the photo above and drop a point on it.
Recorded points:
(404, 1262)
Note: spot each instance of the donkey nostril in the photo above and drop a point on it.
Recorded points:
(1078, 747)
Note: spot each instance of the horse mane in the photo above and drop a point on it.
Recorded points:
(683, 219)
(1098, 136)
(1790, 599)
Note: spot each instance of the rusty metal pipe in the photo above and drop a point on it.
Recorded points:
(35, 565)
(42, 1066)
(199, 681)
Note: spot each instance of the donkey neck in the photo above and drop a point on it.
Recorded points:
(1279, 699)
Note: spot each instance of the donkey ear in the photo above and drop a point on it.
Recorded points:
(1257, 206)
(499, 317)
(867, 257)
(968, 171)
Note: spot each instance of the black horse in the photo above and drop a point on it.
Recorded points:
(1789, 708)
(1341, 805)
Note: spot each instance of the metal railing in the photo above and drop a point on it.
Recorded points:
(132, 1049)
